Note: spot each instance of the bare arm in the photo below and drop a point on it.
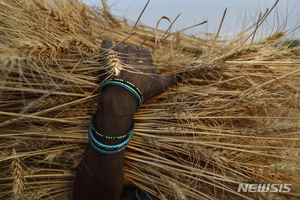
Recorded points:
(100, 176)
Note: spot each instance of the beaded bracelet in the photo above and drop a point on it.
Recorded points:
(109, 147)
(127, 85)
(130, 84)
(111, 137)
(105, 151)
(112, 149)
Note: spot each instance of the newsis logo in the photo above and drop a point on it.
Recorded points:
(245, 187)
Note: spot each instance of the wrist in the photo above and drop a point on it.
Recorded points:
(117, 101)
(116, 108)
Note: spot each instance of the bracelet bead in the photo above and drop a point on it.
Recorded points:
(109, 147)
(112, 149)
(111, 137)
(106, 151)
(130, 84)
(127, 85)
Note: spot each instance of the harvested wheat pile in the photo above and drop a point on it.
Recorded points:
(235, 117)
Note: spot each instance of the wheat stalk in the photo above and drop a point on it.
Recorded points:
(18, 174)
(232, 119)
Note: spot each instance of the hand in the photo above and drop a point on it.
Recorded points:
(137, 64)
(100, 176)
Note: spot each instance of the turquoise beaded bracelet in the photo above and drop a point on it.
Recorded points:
(127, 85)
(112, 149)
(109, 147)
(111, 137)
(106, 151)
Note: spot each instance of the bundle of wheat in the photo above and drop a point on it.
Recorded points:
(233, 119)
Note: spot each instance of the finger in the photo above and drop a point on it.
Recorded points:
(122, 44)
(169, 80)
(161, 84)
(119, 47)
(145, 56)
(145, 52)
(106, 44)
(131, 48)
(166, 82)
(131, 54)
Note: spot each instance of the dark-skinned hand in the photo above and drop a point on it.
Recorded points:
(138, 69)
(100, 176)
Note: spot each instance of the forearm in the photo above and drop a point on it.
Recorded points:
(101, 175)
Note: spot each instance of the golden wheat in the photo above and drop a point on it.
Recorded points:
(234, 118)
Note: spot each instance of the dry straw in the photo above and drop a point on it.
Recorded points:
(233, 119)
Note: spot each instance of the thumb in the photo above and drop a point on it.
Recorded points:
(106, 44)
(164, 82)
(168, 81)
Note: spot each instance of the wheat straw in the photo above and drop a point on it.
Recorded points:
(234, 118)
